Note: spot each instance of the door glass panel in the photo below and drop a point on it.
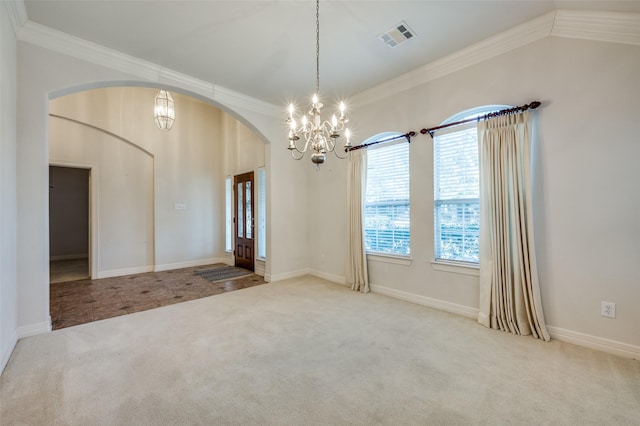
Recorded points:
(248, 210)
(240, 212)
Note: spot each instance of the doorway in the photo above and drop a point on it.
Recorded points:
(244, 220)
(69, 253)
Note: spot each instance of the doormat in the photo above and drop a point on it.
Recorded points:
(223, 273)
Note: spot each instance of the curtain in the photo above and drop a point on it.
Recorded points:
(357, 275)
(509, 289)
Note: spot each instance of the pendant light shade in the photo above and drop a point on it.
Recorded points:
(164, 111)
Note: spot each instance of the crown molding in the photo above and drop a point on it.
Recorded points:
(613, 27)
(146, 71)
(498, 44)
(17, 12)
(232, 99)
(57, 41)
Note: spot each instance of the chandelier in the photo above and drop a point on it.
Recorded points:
(320, 136)
(164, 110)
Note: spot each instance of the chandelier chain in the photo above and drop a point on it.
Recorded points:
(318, 135)
(318, 47)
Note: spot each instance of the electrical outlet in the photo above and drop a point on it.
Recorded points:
(608, 309)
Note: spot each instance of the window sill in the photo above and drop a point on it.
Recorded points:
(261, 259)
(387, 258)
(456, 267)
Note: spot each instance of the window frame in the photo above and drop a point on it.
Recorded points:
(388, 256)
(261, 216)
(446, 264)
(228, 213)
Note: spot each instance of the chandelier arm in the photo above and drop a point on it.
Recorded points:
(330, 147)
(294, 156)
(342, 157)
(301, 151)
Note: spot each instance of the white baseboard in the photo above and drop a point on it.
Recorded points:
(7, 353)
(285, 276)
(159, 268)
(260, 267)
(580, 339)
(121, 272)
(191, 264)
(329, 277)
(466, 311)
(34, 329)
(69, 257)
(593, 342)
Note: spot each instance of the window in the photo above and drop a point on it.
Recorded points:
(262, 213)
(386, 210)
(227, 213)
(457, 188)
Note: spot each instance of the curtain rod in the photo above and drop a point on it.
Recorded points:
(432, 130)
(507, 111)
(392, 138)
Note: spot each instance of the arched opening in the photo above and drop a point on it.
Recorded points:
(142, 84)
(157, 198)
(456, 177)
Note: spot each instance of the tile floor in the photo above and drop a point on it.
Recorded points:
(78, 302)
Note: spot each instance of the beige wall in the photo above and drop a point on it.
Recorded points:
(122, 195)
(242, 147)
(585, 182)
(44, 74)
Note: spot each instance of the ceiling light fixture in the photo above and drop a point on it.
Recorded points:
(164, 111)
(321, 136)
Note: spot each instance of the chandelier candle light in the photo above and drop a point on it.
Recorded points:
(319, 135)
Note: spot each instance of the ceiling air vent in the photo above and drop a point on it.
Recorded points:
(397, 34)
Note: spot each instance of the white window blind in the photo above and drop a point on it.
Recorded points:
(457, 188)
(227, 213)
(386, 211)
(456, 195)
(262, 213)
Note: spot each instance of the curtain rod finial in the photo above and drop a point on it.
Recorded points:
(409, 135)
(534, 104)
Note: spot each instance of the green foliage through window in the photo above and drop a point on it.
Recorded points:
(386, 211)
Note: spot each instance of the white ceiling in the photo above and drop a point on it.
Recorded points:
(266, 49)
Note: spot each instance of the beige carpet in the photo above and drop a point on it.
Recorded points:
(308, 352)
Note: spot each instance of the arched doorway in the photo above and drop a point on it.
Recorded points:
(157, 197)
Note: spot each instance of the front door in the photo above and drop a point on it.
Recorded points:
(244, 223)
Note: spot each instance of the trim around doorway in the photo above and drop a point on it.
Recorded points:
(94, 234)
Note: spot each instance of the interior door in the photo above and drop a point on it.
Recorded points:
(244, 220)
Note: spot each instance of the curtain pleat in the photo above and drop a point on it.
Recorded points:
(357, 275)
(509, 288)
